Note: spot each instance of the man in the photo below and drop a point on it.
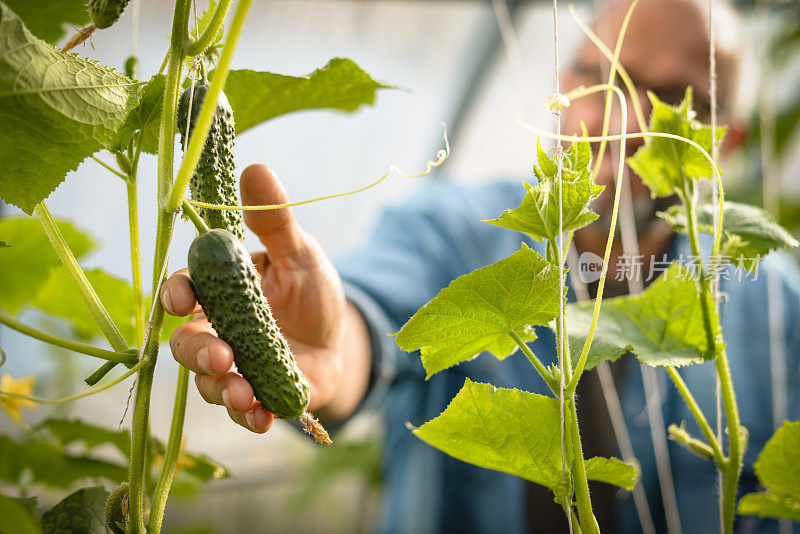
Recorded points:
(336, 320)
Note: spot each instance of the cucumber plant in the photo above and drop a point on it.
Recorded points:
(494, 310)
(73, 109)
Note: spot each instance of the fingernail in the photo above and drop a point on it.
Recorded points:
(226, 397)
(204, 360)
(249, 417)
(166, 301)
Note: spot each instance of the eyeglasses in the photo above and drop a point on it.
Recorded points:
(669, 94)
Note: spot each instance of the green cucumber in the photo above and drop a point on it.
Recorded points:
(228, 288)
(117, 509)
(213, 181)
(105, 13)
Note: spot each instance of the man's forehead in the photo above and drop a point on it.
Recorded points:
(666, 42)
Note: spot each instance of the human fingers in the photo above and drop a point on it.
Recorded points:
(277, 229)
(229, 389)
(195, 346)
(177, 295)
(233, 392)
(256, 420)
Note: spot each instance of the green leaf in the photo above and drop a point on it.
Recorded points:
(3, 244)
(663, 326)
(69, 431)
(778, 470)
(663, 163)
(478, 311)
(506, 430)
(27, 261)
(547, 168)
(778, 465)
(52, 466)
(144, 117)
(748, 232)
(17, 517)
(59, 297)
(537, 215)
(52, 19)
(769, 505)
(612, 471)
(83, 512)
(55, 110)
(259, 96)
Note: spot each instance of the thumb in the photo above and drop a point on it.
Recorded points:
(277, 229)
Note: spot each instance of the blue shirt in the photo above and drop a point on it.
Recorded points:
(416, 249)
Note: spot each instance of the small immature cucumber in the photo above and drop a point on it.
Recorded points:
(214, 180)
(228, 287)
(117, 509)
(105, 13)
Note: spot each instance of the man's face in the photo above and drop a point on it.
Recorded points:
(664, 51)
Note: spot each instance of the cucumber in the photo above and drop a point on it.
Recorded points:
(105, 13)
(117, 509)
(228, 288)
(214, 180)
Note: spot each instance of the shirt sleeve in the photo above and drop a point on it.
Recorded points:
(416, 249)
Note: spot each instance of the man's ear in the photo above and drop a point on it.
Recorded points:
(734, 138)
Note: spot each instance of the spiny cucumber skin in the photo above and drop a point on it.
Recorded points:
(228, 288)
(214, 180)
(105, 13)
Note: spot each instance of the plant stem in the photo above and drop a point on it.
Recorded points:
(128, 357)
(551, 382)
(161, 493)
(588, 521)
(96, 308)
(166, 152)
(212, 30)
(136, 257)
(735, 444)
(108, 167)
(702, 422)
(193, 216)
(206, 115)
(98, 375)
(703, 282)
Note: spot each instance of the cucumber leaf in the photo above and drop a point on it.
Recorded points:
(55, 110)
(260, 96)
(537, 215)
(663, 163)
(515, 432)
(144, 118)
(26, 263)
(69, 431)
(50, 20)
(478, 311)
(778, 470)
(50, 465)
(83, 512)
(662, 326)
(507, 430)
(748, 232)
(60, 298)
(17, 517)
(612, 471)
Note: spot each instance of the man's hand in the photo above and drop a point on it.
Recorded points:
(328, 337)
